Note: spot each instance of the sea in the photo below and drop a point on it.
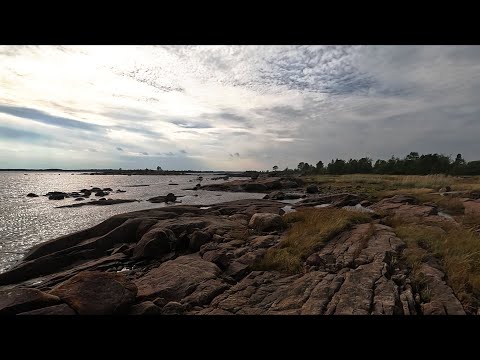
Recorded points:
(26, 222)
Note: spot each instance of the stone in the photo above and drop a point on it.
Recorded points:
(267, 222)
(312, 189)
(97, 293)
(62, 309)
(173, 308)
(32, 195)
(22, 299)
(197, 239)
(155, 243)
(175, 279)
(145, 308)
(56, 197)
(170, 197)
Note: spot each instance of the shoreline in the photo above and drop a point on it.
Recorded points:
(222, 259)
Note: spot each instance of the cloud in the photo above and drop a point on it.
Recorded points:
(144, 153)
(275, 105)
(45, 118)
(191, 124)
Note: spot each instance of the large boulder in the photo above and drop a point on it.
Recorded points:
(155, 243)
(266, 222)
(17, 300)
(97, 293)
(175, 279)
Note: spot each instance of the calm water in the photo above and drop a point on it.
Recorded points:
(25, 222)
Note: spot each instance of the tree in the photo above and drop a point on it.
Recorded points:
(300, 166)
(159, 168)
(319, 166)
(275, 168)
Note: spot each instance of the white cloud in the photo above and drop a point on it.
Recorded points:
(271, 104)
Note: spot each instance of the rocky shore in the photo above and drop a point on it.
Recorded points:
(201, 260)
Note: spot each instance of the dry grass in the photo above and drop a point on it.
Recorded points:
(309, 230)
(459, 251)
(379, 186)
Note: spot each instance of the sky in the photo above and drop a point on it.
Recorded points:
(234, 107)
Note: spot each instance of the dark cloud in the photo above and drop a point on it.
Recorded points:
(119, 148)
(237, 154)
(91, 150)
(191, 124)
(144, 153)
(183, 151)
(20, 134)
(45, 118)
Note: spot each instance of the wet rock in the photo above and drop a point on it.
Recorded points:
(21, 299)
(107, 189)
(170, 197)
(56, 197)
(267, 222)
(120, 191)
(101, 193)
(97, 293)
(32, 195)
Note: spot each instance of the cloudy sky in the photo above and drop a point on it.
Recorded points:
(234, 107)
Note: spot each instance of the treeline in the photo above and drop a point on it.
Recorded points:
(412, 164)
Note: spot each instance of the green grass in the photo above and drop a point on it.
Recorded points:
(309, 230)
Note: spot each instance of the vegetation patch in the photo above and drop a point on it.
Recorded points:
(309, 230)
(458, 249)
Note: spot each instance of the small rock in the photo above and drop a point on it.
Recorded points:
(266, 222)
(32, 195)
(145, 308)
(170, 197)
(173, 308)
(160, 302)
(79, 199)
(197, 239)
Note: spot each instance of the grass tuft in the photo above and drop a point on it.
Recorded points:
(309, 230)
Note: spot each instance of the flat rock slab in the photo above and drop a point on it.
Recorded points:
(97, 293)
(176, 279)
(62, 309)
(17, 300)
